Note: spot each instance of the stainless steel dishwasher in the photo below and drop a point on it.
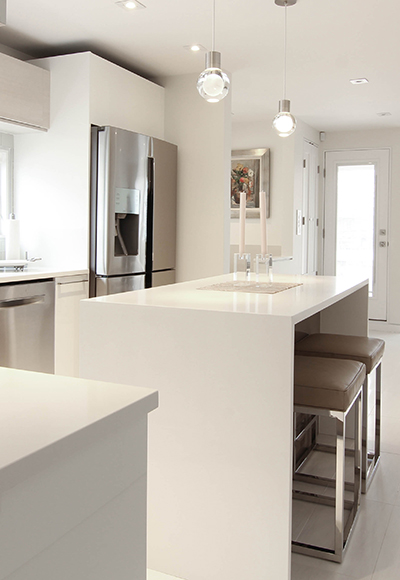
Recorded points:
(27, 325)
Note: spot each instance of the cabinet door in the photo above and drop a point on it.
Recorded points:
(165, 184)
(69, 292)
(163, 278)
(25, 93)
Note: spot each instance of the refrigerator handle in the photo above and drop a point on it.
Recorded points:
(150, 212)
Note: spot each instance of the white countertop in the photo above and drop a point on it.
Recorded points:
(39, 410)
(314, 294)
(36, 273)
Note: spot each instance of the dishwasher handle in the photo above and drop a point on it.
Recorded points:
(13, 302)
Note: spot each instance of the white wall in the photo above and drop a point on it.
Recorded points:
(52, 170)
(123, 99)
(375, 139)
(286, 187)
(202, 132)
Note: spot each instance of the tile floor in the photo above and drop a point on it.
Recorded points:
(374, 548)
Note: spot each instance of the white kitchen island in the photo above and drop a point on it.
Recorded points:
(73, 472)
(220, 445)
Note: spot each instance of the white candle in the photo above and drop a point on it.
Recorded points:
(242, 221)
(263, 222)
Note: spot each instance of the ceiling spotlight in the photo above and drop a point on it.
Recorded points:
(130, 4)
(284, 122)
(213, 83)
(359, 81)
(195, 48)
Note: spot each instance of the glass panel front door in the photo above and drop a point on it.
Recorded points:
(355, 228)
(355, 241)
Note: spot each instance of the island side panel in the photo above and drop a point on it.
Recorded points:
(220, 444)
(347, 316)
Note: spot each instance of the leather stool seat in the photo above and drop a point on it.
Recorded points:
(327, 383)
(361, 348)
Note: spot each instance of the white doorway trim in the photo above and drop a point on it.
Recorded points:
(380, 158)
(309, 219)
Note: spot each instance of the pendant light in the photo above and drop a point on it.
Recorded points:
(213, 83)
(284, 122)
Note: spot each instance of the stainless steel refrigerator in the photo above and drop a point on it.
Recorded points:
(133, 211)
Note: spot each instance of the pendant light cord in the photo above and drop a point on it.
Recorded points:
(213, 27)
(284, 54)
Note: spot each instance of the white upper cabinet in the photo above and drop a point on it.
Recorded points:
(24, 93)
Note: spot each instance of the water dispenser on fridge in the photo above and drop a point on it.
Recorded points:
(127, 211)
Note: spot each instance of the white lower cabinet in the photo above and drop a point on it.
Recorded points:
(73, 478)
(70, 290)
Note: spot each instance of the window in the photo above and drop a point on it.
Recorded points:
(6, 185)
(355, 239)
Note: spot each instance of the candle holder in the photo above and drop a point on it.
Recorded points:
(244, 257)
(267, 260)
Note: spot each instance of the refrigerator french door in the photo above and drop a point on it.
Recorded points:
(133, 211)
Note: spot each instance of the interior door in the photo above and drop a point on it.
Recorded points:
(309, 228)
(356, 220)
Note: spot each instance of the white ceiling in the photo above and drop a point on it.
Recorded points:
(329, 42)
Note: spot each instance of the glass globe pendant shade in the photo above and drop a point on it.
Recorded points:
(284, 122)
(213, 83)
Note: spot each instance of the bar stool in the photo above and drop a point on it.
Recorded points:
(365, 350)
(331, 388)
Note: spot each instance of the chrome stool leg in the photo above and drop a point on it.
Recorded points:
(364, 458)
(340, 469)
(370, 460)
(378, 412)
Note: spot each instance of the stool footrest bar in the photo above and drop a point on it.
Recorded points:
(319, 499)
(322, 481)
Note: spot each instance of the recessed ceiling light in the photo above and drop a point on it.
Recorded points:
(359, 81)
(130, 4)
(385, 114)
(195, 48)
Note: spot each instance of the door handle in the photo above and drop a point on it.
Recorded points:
(12, 302)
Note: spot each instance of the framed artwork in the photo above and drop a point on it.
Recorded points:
(249, 173)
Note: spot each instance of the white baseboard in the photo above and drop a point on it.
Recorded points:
(383, 326)
(153, 575)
